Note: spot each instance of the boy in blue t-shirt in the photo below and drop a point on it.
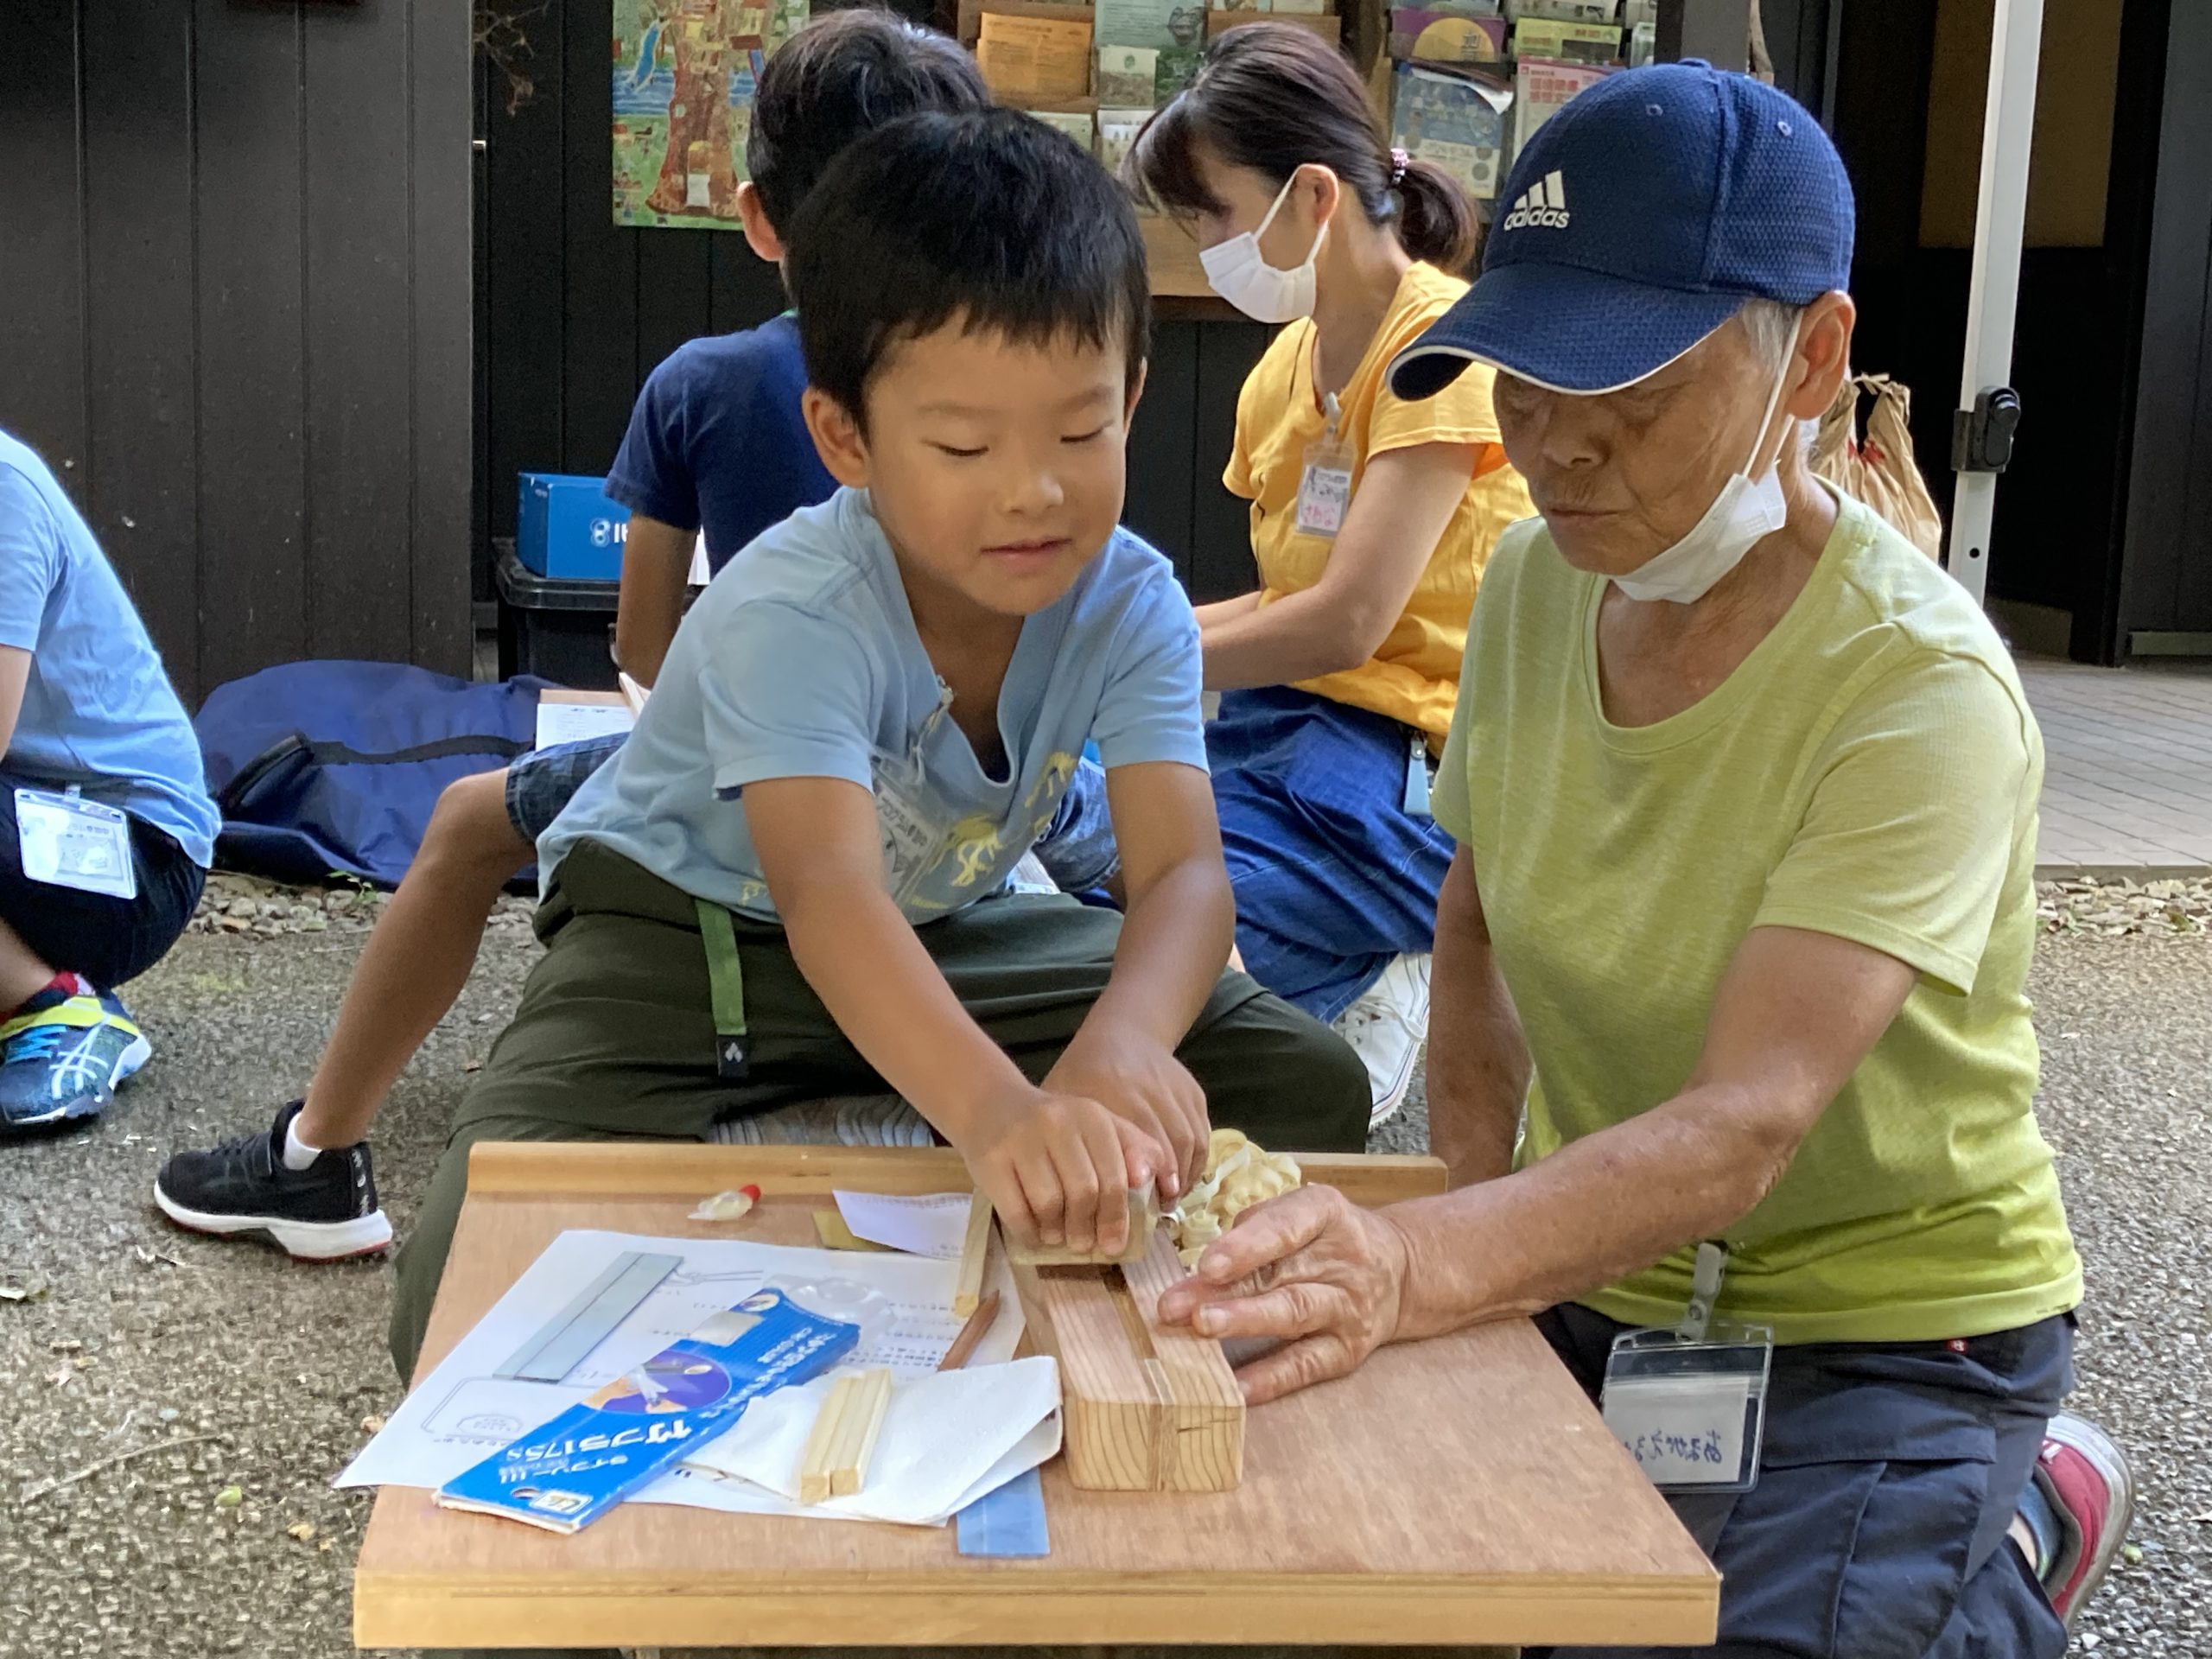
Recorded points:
(105, 828)
(716, 444)
(789, 881)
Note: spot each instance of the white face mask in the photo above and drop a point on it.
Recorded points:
(1236, 272)
(1744, 513)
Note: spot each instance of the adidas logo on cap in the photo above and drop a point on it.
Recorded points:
(1543, 203)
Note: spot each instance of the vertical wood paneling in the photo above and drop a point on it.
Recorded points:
(479, 354)
(1161, 481)
(2166, 582)
(599, 333)
(140, 314)
(252, 485)
(1221, 525)
(522, 282)
(2193, 558)
(442, 378)
(744, 290)
(235, 297)
(675, 291)
(41, 266)
(359, 456)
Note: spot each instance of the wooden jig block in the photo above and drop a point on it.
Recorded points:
(1145, 1408)
(975, 1250)
(1144, 1222)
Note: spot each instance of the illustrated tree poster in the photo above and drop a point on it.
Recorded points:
(684, 72)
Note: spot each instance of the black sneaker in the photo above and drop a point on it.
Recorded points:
(322, 1213)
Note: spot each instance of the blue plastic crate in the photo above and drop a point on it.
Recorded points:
(566, 527)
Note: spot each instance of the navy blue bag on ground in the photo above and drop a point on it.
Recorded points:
(324, 769)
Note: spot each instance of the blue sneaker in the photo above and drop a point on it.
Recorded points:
(61, 1057)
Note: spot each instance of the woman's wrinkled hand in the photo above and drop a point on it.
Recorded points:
(1311, 1269)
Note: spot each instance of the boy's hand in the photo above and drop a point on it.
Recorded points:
(1058, 1167)
(1144, 1084)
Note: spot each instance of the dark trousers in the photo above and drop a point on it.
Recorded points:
(615, 1038)
(108, 940)
(1888, 1477)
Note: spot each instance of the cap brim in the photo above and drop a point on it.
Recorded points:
(1561, 326)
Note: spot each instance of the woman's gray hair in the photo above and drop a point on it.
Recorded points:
(1772, 327)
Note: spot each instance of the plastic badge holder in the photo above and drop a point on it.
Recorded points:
(1690, 1410)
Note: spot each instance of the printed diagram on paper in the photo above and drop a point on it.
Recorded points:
(595, 1305)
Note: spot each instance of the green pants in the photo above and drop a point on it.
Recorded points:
(615, 1037)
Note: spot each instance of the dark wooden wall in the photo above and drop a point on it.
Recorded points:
(2074, 528)
(2165, 585)
(575, 313)
(234, 314)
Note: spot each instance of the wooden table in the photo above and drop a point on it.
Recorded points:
(1456, 1491)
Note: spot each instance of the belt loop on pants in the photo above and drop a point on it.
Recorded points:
(725, 992)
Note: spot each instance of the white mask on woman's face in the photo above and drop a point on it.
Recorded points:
(1235, 270)
(1744, 513)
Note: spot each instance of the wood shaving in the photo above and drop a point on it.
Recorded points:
(1239, 1174)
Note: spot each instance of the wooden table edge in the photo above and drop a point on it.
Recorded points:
(1011, 1606)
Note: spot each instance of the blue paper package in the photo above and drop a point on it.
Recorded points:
(565, 1475)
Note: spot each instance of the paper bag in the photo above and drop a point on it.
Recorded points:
(1878, 469)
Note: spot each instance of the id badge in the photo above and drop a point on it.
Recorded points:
(69, 841)
(1689, 1402)
(1691, 1411)
(1325, 483)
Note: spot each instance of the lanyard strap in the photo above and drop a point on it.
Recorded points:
(1417, 796)
(1705, 1290)
(725, 991)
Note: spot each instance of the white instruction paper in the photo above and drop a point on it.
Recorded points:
(935, 1226)
(463, 1411)
(947, 1438)
(560, 720)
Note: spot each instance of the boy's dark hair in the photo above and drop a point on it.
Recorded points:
(994, 221)
(842, 75)
(1272, 97)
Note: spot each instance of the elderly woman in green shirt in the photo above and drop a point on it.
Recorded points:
(1733, 948)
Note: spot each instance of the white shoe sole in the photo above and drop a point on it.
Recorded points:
(131, 1062)
(303, 1240)
(1387, 1103)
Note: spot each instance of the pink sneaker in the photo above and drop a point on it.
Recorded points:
(2085, 1477)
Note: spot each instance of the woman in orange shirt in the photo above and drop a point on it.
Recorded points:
(1371, 518)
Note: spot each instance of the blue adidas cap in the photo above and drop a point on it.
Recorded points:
(1637, 221)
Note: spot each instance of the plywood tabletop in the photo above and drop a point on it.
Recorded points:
(1454, 1491)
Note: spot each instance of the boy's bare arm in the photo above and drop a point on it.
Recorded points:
(1180, 922)
(1045, 1157)
(656, 567)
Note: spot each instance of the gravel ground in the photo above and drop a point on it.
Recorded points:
(211, 1390)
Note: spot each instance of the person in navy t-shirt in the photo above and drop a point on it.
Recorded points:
(715, 445)
(716, 442)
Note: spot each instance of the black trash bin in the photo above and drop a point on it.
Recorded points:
(558, 628)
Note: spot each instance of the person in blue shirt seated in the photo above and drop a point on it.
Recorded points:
(105, 828)
(790, 882)
(715, 444)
